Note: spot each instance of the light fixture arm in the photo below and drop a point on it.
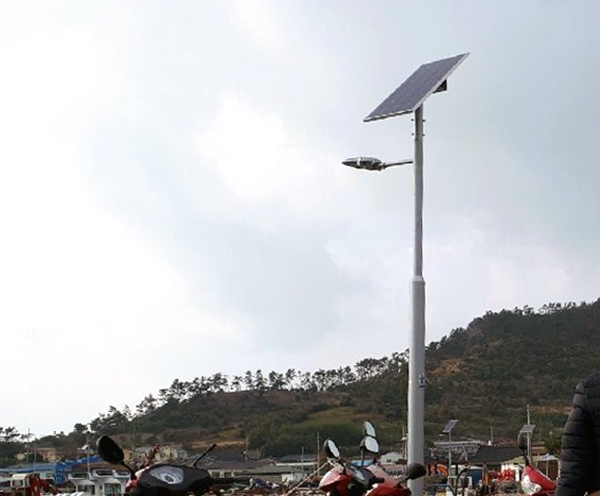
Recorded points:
(406, 161)
(372, 163)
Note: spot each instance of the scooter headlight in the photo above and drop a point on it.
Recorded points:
(168, 474)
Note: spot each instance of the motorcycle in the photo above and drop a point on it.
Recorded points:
(161, 479)
(388, 486)
(343, 479)
(533, 482)
(346, 479)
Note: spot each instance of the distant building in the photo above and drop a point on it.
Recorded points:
(165, 453)
(459, 448)
(50, 455)
(392, 458)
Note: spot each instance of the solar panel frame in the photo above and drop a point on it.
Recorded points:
(449, 426)
(411, 94)
(527, 429)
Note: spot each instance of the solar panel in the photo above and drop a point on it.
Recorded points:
(449, 426)
(527, 429)
(411, 94)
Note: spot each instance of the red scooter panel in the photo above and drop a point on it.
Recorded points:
(535, 483)
(336, 481)
(388, 488)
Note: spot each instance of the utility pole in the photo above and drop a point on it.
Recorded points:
(529, 434)
(318, 462)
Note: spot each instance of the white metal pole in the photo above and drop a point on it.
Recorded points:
(318, 448)
(449, 453)
(416, 363)
(529, 433)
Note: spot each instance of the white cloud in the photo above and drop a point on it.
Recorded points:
(475, 268)
(87, 300)
(468, 270)
(114, 283)
(259, 21)
(92, 312)
(262, 160)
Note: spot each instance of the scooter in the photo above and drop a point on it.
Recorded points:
(386, 484)
(533, 482)
(397, 487)
(346, 479)
(161, 479)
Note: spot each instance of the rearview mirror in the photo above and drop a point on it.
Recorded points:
(110, 451)
(369, 429)
(370, 444)
(331, 449)
(415, 470)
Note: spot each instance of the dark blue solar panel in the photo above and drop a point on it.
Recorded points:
(411, 94)
(449, 426)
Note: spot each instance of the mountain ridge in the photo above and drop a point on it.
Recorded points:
(487, 375)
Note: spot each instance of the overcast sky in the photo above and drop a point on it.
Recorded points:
(172, 202)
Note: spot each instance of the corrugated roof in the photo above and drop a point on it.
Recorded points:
(269, 470)
(306, 458)
(236, 465)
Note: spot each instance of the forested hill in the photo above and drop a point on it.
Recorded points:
(485, 375)
(488, 372)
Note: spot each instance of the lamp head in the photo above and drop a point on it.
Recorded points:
(369, 163)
